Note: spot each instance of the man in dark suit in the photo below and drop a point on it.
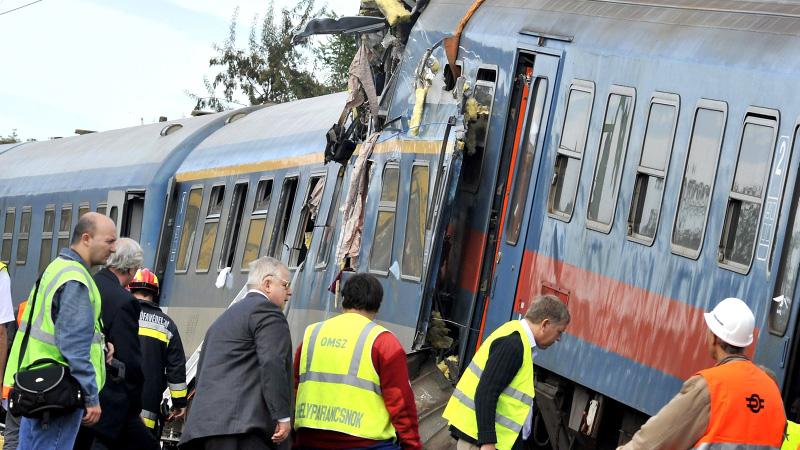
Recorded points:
(244, 384)
(120, 426)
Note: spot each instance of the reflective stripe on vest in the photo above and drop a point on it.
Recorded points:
(746, 409)
(513, 403)
(792, 440)
(42, 342)
(339, 389)
(3, 266)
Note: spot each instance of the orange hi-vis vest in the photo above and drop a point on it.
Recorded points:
(746, 409)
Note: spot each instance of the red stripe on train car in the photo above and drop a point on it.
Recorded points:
(471, 259)
(651, 329)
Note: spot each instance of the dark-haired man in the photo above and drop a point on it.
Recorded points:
(353, 390)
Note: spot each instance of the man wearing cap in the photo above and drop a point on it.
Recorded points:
(731, 405)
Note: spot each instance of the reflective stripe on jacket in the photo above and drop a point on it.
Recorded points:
(42, 340)
(339, 388)
(746, 409)
(514, 402)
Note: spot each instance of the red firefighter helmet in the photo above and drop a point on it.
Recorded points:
(144, 280)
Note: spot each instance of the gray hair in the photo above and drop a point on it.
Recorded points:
(129, 255)
(547, 307)
(261, 268)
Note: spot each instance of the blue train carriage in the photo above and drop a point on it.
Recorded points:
(45, 186)
(631, 158)
(256, 187)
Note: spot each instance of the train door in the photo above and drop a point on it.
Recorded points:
(528, 141)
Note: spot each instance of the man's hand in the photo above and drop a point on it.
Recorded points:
(91, 416)
(488, 447)
(176, 414)
(281, 432)
(109, 352)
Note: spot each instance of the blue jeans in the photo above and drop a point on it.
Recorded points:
(59, 435)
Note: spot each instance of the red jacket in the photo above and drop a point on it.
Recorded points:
(389, 360)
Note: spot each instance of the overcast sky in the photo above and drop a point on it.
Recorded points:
(106, 64)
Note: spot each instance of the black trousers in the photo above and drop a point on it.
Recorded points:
(246, 441)
(133, 436)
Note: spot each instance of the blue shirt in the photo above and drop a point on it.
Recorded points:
(74, 325)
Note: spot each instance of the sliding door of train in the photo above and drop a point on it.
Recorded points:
(539, 88)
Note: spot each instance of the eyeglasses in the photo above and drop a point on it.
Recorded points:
(286, 283)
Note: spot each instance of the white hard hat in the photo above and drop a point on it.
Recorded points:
(732, 321)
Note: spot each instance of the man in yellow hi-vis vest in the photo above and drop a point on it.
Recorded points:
(491, 407)
(65, 326)
(352, 380)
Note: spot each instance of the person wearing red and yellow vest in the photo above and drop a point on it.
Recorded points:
(65, 326)
(353, 390)
(733, 405)
(491, 407)
(792, 439)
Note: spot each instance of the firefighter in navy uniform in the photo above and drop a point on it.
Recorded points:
(163, 359)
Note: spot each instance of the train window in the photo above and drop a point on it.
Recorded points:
(83, 208)
(381, 255)
(610, 159)
(113, 214)
(258, 223)
(101, 208)
(333, 210)
(308, 216)
(209, 238)
(234, 225)
(46, 248)
(64, 227)
(189, 228)
(781, 306)
(8, 235)
(478, 112)
(24, 236)
(698, 178)
(519, 199)
(648, 190)
(284, 215)
(567, 170)
(414, 244)
(747, 192)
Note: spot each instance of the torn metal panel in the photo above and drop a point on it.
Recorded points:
(343, 25)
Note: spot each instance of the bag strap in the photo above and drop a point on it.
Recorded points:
(31, 307)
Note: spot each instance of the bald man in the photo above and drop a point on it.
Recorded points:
(65, 314)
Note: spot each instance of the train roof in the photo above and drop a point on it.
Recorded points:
(291, 133)
(117, 158)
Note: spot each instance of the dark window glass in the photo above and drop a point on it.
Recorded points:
(522, 181)
(381, 255)
(333, 212)
(209, 238)
(414, 244)
(189, 228)
(233, 226)
(24, 235)
(747, 192)
(610, 159)
(283, 218)
(649, 188)
(308, 218)
(698, 179)
(477, 131)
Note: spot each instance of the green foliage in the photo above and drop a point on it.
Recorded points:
(271, 69)
(12, 138)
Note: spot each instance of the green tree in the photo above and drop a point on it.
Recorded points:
(12, 138)
(271, 69)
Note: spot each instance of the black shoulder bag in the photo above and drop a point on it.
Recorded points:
(44, 388)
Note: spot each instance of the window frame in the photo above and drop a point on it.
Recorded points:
(468, 186)
(24, 236)
(761, 117)
(47, 235)
(713, 105)
(258, 214)
(660, 98)
(577, 85)
(334, 206)
(190, 242)
(64, 234)
(209, 218)
(322, 177)
(9, 235)
(385, 206)
(275, 248)
(85, 207)
(596, 225)
(103, 206)
(231, 237)
(427, 165)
